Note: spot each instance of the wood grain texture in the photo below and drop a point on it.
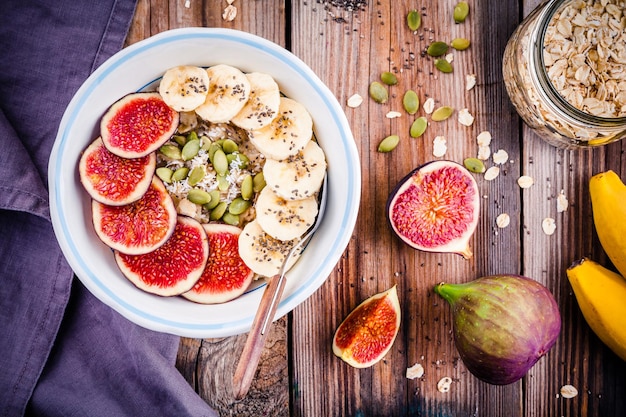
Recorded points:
(298, 373)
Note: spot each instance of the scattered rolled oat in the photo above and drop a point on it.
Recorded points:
(483, 138)
(483, 152)
(525, 181)
(561, 202)
(470, 81)
(415, 371)
(503, 220)
(429, 105)
(393, 114)
(449, 58)
(500, 157)
(439, 146)
(568, 391)
(355, 101)
(230, 12)
(549, 226)
(465, 118)
(492, 173)
(187, 4)
(444, 384)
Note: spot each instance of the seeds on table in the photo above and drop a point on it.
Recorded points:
(389, 143)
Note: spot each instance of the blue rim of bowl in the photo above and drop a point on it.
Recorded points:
(176, 35)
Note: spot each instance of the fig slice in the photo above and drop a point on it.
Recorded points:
(137, 124)
(367, 334)
(503, 325)
(225, 276)
(172, 268)
(139, 227)
(111, 179)
(435, 208)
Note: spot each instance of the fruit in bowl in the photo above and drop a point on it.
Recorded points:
(206, 166)
(140, 68)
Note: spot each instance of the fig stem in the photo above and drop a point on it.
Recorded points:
(450, 292)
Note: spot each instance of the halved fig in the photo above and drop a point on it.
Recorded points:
(111, 179)
(435, 208)
(139, 227)
(138, 124)
(367, 334)
(174, 267)
(226, 276)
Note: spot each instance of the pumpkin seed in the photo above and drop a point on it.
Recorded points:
(215, 200)
(437, 48)
(442, 113)
(222, 183)
(180, 174)
(220, 163)
(378, 92)
(237, 156)
(411, 102)
(213, 147)
(414, 20)
(239, 205)
(229, 146)
(258, 182)
(206, 143)
(232, 219)
(247, 187)
(180, 139)
(218, 211)
(165, 174)
(170, 151)
(196, 175)
(192, 136)
(460, 44)
(474, 165)
(389, 78)
(198, 196)
(389, 143)
(418, 127)
(190, 150)
(443, 65)
(461, 10)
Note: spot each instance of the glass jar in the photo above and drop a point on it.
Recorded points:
(564, 69)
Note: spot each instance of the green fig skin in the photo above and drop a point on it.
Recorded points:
(502, 325)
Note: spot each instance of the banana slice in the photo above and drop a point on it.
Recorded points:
(299, 176)
(262, 253)
(229, 90)
(284, 219)
(263, 103)
(185, 87)
(288, 133)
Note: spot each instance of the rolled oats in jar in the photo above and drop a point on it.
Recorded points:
(564, 69)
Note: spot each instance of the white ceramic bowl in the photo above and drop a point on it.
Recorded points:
(133, 69)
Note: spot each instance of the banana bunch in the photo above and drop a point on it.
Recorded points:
(600, 293)
(608, 202)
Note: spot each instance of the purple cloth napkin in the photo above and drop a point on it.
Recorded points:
(62, 351)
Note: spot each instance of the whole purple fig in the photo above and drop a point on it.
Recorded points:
(502, 325)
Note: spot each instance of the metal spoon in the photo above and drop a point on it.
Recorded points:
(249, 360)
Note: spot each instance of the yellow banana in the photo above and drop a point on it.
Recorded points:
(608, 202)
(601, 295)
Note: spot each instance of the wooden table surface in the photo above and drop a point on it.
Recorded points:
(299, 375)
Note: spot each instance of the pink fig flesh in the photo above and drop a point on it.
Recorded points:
(225, 276)
(435, 208)
(174, 267)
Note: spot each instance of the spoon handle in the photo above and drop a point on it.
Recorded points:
(249, 359)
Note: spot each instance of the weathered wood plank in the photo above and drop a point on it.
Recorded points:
(355, 53)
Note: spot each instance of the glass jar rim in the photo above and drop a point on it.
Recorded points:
(548, 89)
